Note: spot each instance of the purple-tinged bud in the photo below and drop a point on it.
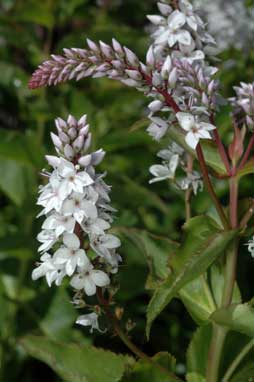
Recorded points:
(131, 57)
(84, 130)
(88, 141)
(60, 124)
(205, 99)
(155, 106)
(92, 45)
(173, 77)
(82, 121)
(156, 20)
(85, 160)
(130, 82)
(250, 122)
(117, 64)
(97, 157)
(68, 152)
(103, 67)
(56, 141)
(150, 58)
(72, 122)
(52, 160)
(106, 49)
(157, 79)
(117, 47)
(166, 68)
(64, 137)
(164, 9)
(78, 143)
(211, 87)
(72, 132)
(134, 74)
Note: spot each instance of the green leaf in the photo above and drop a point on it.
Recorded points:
(13, 181)
(237, 317)
(157, 251)
(198, 300)
(60, 316)
(246, 374)
(75, 363)
(145, 372)
(194, 377)
(217, 285)
(203, 243)
(198, 350)
(247, 169)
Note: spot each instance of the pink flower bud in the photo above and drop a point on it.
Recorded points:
(56, 141)
(68, 151)
(85, 160)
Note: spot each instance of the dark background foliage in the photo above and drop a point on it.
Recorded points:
(29, 31)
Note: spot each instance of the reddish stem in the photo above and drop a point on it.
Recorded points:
(222, 151)
(246, 154)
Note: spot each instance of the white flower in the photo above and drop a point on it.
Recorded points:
(80, 208)
(70, 255)
(49, 195)
(88, 279)
(195, 130)
(104, 243)
(162, 172)
(158, 128)
(192, 180)
(59, 224)
(72, 179)
(188, 53)
(192, 19)
(172, 33)
(47, 238)
(90, 319)
(48, 268)
(250, 245)
(95, 225)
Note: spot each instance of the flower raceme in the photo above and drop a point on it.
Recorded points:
(76, 205)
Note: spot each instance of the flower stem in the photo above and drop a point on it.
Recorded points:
(126, 340)
(209, 187)
(219, 333)
(222, 150)
(237, 361)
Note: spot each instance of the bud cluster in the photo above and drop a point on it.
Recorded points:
(245, 101)
(76, 205)
(102, 60)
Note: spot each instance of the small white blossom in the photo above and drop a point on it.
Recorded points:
(250, 245)
(90, 319)
(48, 268)
(195, 130)
(70, 255)
(89, 279)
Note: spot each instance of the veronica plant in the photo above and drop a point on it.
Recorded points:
(184, 95)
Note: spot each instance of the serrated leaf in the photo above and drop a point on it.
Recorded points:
(75, 363)
(237, 317)
(145, 372)
(203, 244)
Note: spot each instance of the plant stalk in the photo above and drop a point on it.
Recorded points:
(126, 340)
(219, 333)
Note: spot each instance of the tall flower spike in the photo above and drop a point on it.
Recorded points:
(76, 206)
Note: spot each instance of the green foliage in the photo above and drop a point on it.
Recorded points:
(236, 317)
(144, 371)
(203, 243)
(76, 363)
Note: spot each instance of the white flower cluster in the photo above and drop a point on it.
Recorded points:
(229, 21)
(76, 205)
(178, 57)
